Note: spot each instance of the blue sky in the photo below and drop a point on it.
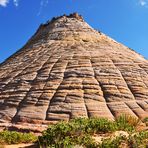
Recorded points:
(124, 20)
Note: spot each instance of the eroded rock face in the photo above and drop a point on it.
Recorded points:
(69, 70)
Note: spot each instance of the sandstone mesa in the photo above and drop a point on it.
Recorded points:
(69, 70)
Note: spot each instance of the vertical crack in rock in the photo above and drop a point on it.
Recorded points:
(27, 104)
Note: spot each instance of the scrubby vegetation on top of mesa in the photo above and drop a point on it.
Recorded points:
(80, 132)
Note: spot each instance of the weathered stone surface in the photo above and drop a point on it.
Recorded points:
(69, 70)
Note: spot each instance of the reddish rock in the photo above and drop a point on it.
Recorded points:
(68, 70)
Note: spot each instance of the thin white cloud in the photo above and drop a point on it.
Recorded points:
(143, 2)
(4, 3)
(43, 3)
(16, 2)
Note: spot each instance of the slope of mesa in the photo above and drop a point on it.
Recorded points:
(69, 70)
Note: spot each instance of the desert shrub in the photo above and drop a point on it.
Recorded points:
(146, 121)
(86, 141)
(100, 125)
(79, 132)
(94, 125)
(127, 123)
(112, 143)
(76, 131)
(12, 137)
(138, 140)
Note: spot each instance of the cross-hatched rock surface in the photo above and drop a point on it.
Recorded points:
(69, 70)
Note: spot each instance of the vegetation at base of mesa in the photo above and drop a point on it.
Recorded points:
(138, 140)
(12, 137)
(80, 131)
(146, 121)
(112, 143)
(127, 123)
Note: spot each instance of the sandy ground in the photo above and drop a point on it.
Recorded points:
(21, 146)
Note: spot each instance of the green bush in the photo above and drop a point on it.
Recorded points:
(127, 123)
(112, 143)
(80, 132)
(12, 137)
(138, 140)
(100, 125)
(76, 131)
(146, 121)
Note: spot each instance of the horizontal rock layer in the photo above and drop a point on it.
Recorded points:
(69, 70)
